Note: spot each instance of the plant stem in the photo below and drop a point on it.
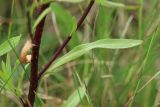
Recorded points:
(59, 51)
(35, 56)
(34, 78)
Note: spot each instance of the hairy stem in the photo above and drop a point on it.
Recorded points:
(59, 51)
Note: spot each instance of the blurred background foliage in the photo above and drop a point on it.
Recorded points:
(113, 78)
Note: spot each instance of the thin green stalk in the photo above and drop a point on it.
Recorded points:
(135, 93)
(140, 15)
(16, 54)
(10, 24)
(82, 83)
(140, 71)
(150, 80)
(8, 80)
(141, 68)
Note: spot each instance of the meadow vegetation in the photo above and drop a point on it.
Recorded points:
(79, 53)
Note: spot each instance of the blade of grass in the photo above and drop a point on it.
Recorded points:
(140, 14)
(150, 80)
(141, 68)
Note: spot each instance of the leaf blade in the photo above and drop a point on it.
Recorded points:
(103, 43)
(5, 47)
(74, 98)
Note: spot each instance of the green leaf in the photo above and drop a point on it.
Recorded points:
(44, 13)
(103, 43)
(65, 21)
(39, 102)
(72, 1)
(7, 76)
(75, 98)
(103, 22)
(74, 25)
(5, 47)
(114, 4)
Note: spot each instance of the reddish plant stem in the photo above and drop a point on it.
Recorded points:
(34, 61)
(82, 18)
(59, 51)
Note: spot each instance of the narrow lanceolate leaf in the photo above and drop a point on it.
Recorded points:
(5, 47)
(116, 4)
(72, 1)
(75, 98)
(104, 43)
